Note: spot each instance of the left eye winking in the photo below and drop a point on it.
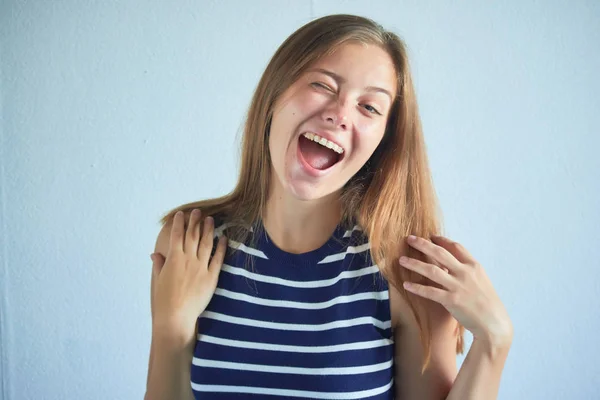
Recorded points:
(321, 85)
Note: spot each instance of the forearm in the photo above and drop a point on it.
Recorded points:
(480, 373)
(168, 373)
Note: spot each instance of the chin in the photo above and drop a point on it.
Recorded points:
(307, 191)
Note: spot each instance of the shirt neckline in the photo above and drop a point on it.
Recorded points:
(333, 245)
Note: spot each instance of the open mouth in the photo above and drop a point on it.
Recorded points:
(319, 153)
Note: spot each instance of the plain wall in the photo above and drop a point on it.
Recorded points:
(114, 112)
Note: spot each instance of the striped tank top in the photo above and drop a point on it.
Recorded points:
(301, 326)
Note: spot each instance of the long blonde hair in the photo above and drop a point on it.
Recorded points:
(391, 197)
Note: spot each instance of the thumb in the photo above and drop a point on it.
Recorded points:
(157, 262)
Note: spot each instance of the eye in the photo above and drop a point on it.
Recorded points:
(322, 86)
(371, 109)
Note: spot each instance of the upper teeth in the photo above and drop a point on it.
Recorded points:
(323, 142)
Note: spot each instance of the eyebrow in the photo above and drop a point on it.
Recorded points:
(340, 79)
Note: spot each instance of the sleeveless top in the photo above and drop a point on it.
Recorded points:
(301, 326)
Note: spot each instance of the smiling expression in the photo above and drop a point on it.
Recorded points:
(345, 97)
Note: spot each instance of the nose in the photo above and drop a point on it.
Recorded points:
(336, 114)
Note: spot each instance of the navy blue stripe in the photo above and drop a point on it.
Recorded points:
(287, 315)
(275, 291)
(225, 330)
(273, 267)
(338, 359)
(318, 383)
(246, 396)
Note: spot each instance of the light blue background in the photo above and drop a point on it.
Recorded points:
(114, 112)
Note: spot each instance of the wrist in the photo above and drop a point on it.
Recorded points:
(495, 346)
(498, 337)
(172, 340)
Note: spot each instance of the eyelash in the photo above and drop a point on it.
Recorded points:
(374, 109)
(323, 86)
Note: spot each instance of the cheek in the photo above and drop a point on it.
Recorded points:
(368, 138)
(276, 145)
(293, 114)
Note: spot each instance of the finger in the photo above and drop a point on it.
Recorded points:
(176, 238)
(153, 276)
(428, 292)
(433, 272)
(455, 248)
(206, 242)
(217, 260)
(157, 263)
(192, 235)
(431, 261)
(437, 253)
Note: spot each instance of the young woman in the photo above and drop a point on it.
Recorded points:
(304, 294)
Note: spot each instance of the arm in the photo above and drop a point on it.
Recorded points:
(169, 372)
(479, 375)
(439, 376)
(168, 365)
(464, 292)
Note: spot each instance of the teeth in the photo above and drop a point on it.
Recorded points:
(323, 142)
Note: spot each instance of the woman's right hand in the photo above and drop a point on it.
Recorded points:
(183, 286)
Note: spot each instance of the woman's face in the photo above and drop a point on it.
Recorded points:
(345, 99)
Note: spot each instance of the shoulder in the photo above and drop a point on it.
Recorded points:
(164, 235)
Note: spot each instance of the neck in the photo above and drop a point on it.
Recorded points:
(299, 226)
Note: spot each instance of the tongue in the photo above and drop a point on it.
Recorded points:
(319, 157)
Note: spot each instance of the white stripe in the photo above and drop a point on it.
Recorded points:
(237, 245)
(280, 369)
(295, 349)
(349, 233)
(345, 323)
(349, 250)
(284, 393)
(383, 295)
(218, 232)
(248, 250)
(299, 284)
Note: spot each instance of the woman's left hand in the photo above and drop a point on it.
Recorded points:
(467, 291)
